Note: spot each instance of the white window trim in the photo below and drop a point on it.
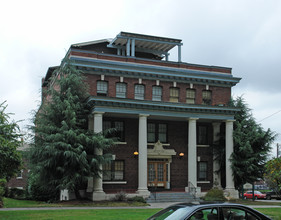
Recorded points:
(114, 182)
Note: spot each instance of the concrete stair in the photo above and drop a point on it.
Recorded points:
(171, 197)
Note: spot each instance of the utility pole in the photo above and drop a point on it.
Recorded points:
(278, 153)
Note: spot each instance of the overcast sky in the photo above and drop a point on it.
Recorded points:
(242, 34)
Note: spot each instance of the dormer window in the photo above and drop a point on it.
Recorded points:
(102, 88)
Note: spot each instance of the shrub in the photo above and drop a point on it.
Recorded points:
(16, 193)
(2, 191)
(137, 199)
(214, 195)
(121, 196)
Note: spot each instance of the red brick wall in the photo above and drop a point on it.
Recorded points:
(220, 95)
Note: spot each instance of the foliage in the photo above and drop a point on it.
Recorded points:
(214, 195)
(16, 193)
(120, 196)
(252, 145)
(137, 199)
(273, 173)
(64, 150)
(9, 142)
(2, 191)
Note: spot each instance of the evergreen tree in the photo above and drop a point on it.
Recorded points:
(252, 145)
(63, 154)
(10, 158)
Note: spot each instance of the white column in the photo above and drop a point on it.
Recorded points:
(98, 193)
(228, 151)
(128, 48)
(133, 48)
(142, 188)
(192, 151)
(216, 166)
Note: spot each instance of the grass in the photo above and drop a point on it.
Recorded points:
(14, 203)
(99, 214)
(274, 213)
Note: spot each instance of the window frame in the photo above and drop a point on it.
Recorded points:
(112, 170)
(157, 132)
(190, 99)
(137, 94)
(120, 138)
(155, 93)
(205, 99)
(202, 139)
(200, 171)
(172, 97)
(121, 94)
(100, 88)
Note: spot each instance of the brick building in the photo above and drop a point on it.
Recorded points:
(168, 115)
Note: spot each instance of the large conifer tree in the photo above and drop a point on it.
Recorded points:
(63, 155)
(252, 146)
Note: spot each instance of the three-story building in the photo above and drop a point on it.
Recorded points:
(168, 115)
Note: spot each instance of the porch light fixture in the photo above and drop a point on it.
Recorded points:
(136, 154)
(181, 155)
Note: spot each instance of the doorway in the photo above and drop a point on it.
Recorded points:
(157, 173)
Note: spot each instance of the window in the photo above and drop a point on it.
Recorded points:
(202, 171)
(190, 96)
(237, 213)
(19, 174)
(202, 135)
(117, 129)
(139, 92)
(121, 90)
(174, 95)
(114, 170)
(156, 132)
(102, 88)
(156, 93)
(211, 213)
(206, 97)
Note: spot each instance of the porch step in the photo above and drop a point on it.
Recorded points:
(171, 197)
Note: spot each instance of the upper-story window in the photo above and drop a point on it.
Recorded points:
(190, 96)
(156, 93)
(156, 132)
(117, 129)
(206, 97)
(174, 95)
(102, 88)
(139, 92)
(121, 90)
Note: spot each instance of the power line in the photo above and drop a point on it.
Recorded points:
(269, 116)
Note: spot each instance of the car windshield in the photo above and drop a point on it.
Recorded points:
(174, 212)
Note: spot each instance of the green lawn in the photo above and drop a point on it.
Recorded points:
(99, 214)
(15, 203)
(79, 214)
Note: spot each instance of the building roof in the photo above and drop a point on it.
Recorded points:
(145, 42)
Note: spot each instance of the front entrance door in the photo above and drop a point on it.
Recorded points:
(157, 174)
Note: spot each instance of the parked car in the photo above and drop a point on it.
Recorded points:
(257, 195)
(273, 195)
(210, 211)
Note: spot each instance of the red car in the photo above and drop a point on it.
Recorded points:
(257, 195)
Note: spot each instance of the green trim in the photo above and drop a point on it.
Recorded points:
(180, 110)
